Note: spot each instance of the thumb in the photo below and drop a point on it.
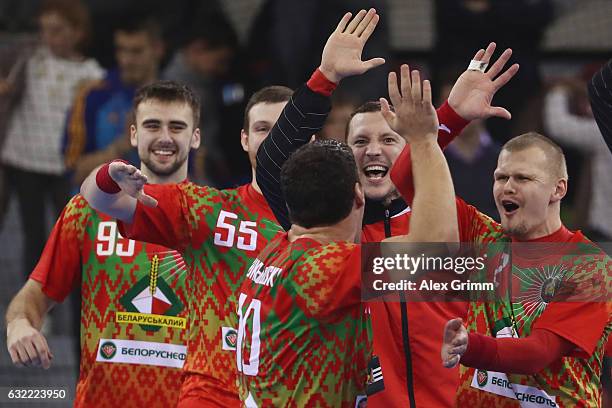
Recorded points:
(372, 63)
(453, 325)
(146, 199)
(496, 111)
(386, 111)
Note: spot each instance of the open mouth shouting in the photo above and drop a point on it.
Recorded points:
(510, 207)
(375, 172)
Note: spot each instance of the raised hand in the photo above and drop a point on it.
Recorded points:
(414, 118)
(27, 346)
(454, 343)
(131, 181)
(342, 53)
(473, 92)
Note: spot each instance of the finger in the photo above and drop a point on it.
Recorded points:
(451, 362)
(406, 83)
(427, 91)
(42, 348)
(416, 86)
(454, 324)
(478, 55)
(499, 64)
(32, 354)
(15, 357)
(394, 93)
(488, 52)
(504, 78)
(498, 112)
(343, 22)
(459, 350)
(370, 28)
(147, 200)
(355, 22)
(365, 22)
(372, 63)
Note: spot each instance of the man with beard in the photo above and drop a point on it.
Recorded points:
(134, 294)
(540, 343)
(218, 232)
(405, 338)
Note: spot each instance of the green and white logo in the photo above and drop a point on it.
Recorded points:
(108, 350)
(482, 377)
(229, 337)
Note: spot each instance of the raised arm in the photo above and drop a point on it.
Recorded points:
(434, 214)
(600, 94)
(115, 189)
(307, 109)
(471, 98)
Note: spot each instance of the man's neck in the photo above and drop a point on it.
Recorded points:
(341, 231)
(153, 178)
(254, 182)
(548, 228)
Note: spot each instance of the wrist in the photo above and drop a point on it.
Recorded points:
(453, 118)
(330, 75)
(105, 182)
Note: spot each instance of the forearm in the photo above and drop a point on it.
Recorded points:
(434, 212)
(451, 125)
(98, 192)
(303, 116)
(527, 355)
(600, 95)
(30, 304)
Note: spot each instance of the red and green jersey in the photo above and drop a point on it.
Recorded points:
(536, 276)
(304, 336)
(218, 233)
(133, 312)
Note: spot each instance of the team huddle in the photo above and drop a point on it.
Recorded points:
(198, 297)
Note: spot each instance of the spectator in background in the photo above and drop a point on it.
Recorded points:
(569, 120)
(339, 116)
(472, 158)
(34, 167)
(462, 25)
(600, 95)
(206, 62)
(97, 126)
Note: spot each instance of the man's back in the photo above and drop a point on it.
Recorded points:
(304, 336)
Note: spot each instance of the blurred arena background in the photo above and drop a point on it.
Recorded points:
(233, 47)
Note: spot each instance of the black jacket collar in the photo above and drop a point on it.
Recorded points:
(375, 210)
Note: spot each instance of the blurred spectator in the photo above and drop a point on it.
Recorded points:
(472, 159)
(32, 150)
(335, 124)
(569, 120)
(600, 96)
(97, 126)
(206, 62)
(284, 48)
(463, 26)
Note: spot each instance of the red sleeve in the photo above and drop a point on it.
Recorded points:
(580, 323)
(59, 267)
(168, 224)
(451, 125)
(518, 356)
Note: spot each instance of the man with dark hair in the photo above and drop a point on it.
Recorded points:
(134, 294)
(218, 233)
(96, 128)
(304, 336)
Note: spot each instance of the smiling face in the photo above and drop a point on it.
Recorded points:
(375, 147)
(527, 192)
(164, 134)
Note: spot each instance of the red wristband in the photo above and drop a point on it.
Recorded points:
(452, 119)
(105, 182)
(320, 84)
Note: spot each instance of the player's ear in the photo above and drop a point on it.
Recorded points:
(560, 191)
(195, 139)
(133, 136)
(359, 195)
(244, 140)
